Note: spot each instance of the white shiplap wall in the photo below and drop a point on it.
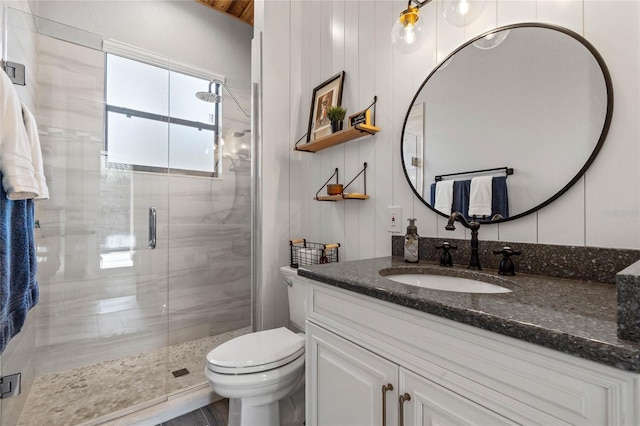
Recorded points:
(325, 37)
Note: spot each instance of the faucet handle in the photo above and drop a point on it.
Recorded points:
(506, 266)
(445, 257)
(507, 252)
(446, 246)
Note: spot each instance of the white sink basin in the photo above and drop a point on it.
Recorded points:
(447, 283)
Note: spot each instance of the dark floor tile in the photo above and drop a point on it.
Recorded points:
(194, 418)
(217, 413)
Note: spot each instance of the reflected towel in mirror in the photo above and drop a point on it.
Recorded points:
(444, 196)
(500, 199)
(480, 196)
(461, 190)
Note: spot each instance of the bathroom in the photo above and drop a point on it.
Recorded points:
(304, 43)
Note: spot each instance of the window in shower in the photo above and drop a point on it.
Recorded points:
(155, 123)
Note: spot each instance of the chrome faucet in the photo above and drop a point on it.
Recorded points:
(474, 225)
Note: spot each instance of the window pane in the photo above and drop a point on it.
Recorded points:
(136, 85)
(192, 149)
(184, 103)
(137, 141)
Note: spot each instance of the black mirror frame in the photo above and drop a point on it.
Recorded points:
(596, 150)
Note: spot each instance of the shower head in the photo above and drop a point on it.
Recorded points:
(216, 98)
(209, 97)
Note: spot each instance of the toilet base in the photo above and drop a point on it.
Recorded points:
(245, 415)
(289, 411)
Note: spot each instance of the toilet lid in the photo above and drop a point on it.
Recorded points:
(254, 352)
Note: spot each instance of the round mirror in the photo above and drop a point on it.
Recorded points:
(512, 118)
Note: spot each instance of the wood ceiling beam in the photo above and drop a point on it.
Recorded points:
(239, 9)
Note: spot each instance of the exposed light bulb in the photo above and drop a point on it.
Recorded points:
(461, 12)
(407, 34)
(463, 7)
(410, 34)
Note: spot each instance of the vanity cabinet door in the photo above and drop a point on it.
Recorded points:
(345, 383)
(431, 404)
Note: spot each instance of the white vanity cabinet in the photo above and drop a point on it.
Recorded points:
(431, 404)
(353, 386)
(454, 374)
(346, 382)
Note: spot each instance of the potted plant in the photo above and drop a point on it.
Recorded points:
(336, 114)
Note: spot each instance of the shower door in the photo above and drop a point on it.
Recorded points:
(100, 329)
(103, 319)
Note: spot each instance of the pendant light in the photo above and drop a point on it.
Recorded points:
(407, 33)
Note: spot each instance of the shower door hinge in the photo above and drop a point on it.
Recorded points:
(10, 386)
(15, 71)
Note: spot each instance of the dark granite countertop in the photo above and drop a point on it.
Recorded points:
(571, 316)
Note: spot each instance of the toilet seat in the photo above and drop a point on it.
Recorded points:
(256, 352)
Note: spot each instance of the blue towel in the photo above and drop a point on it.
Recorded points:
(433, 195)
(18, 264)
(499, 198)
(461, 190)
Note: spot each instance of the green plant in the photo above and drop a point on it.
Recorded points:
(336, 113)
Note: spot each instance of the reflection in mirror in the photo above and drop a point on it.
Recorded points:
(531, 97)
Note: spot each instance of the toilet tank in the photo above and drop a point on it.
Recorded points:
(297, 294)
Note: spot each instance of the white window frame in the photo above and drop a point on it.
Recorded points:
(150, 58)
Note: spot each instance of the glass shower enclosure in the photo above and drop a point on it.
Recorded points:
(144, 245)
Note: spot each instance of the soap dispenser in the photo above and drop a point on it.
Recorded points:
(411, 242)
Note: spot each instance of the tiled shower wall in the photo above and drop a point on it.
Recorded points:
(87, 314)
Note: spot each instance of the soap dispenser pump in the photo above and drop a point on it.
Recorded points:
(411, 242)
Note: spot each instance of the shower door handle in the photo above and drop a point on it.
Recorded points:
(152, 227)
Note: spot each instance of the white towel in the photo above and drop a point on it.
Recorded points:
(480, 195)
(18, 177)
(444, 196)
(308, 256)
(36, 153)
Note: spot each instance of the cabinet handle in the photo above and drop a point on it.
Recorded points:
(385, 388)
(403, 398)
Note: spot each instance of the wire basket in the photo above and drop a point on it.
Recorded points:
(303, 252)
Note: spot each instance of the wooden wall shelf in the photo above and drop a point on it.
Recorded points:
(345, 195)
(337, 138)
(340, 197)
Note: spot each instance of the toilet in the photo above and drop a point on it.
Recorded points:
(262, 373)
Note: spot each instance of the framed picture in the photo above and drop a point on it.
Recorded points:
(326, 95)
